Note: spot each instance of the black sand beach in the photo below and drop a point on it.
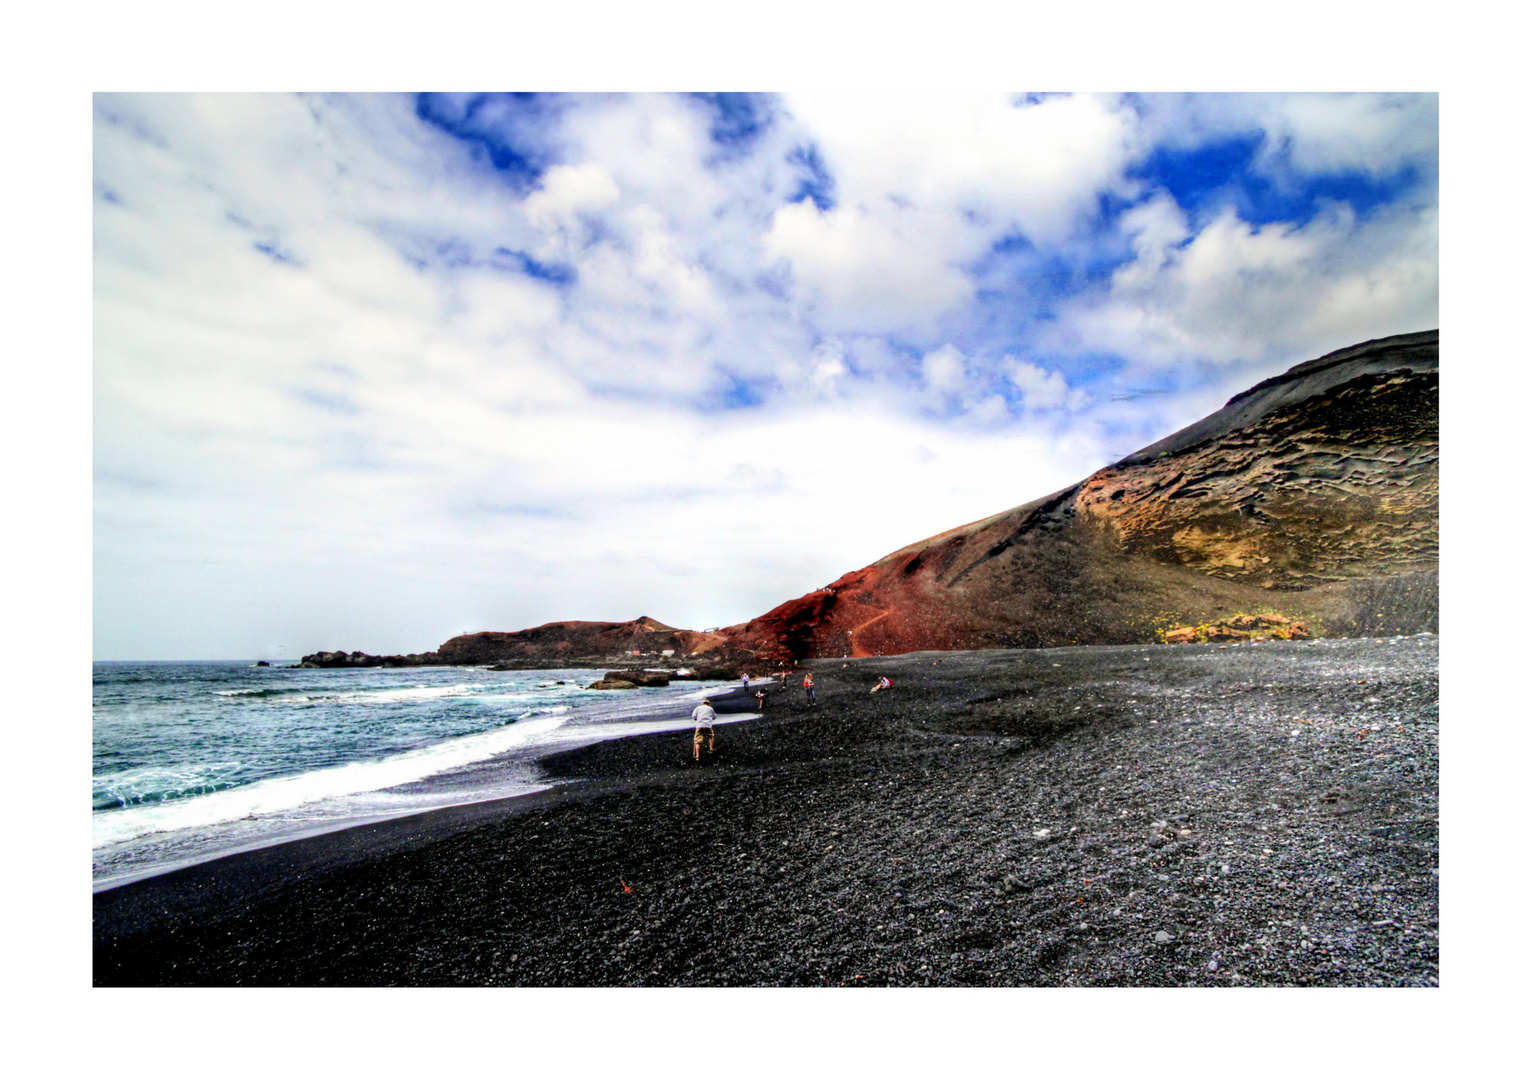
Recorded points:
(1257, 814)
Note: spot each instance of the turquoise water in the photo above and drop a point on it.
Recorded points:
(191, 760)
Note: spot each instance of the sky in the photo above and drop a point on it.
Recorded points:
(374, 370)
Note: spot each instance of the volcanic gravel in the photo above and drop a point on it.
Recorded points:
(1256, 814)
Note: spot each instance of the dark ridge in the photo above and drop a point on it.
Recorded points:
(1419, 351)
(1425, 342)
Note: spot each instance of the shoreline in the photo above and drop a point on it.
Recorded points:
(229, 880)
(102, 885)
(506, 775)
(999, 818)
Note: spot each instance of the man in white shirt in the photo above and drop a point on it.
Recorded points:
(704, 715)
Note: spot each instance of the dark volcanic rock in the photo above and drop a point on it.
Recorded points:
(630, 680)
(1310, 497)
(364, 660)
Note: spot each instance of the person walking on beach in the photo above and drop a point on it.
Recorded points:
(704, 715)
(883, 683)
(808, 686)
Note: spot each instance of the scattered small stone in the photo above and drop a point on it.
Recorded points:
(1162, 937)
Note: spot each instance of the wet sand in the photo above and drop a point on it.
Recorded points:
(1260, 814)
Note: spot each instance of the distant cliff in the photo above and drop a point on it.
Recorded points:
(557, 640)
(1313, 494)
(556, 644)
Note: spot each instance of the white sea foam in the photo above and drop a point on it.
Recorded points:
(376, 697)
(415, 693)
(154, 782)
(286, 793)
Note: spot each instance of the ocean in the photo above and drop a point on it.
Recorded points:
(196, 760)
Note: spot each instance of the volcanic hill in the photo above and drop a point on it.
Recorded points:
(1313, 496)
(1309, 504)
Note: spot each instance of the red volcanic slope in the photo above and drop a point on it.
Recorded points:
(1304, 495)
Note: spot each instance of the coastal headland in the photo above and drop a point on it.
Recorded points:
(1214, 815)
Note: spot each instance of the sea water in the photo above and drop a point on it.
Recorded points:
(196, 760)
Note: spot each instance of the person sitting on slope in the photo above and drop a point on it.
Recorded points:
(883, 683)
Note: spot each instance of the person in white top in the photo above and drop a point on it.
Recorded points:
(704, 715)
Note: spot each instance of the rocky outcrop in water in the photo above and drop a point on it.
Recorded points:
(630, 680)
(365, 660)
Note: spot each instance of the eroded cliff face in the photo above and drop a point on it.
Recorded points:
(1299, 497)
(1341, 485)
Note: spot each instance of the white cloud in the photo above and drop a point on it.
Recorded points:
(1039, 387)
(1241, 293)
(944, 370)
(925, 184)
(872, 272)
(1373, 133)
(566, 193)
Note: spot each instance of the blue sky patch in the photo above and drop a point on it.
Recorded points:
(510, 131)
(816, 182)
(739, 393)
(737, 119)
(1204, 179)
(552, 273)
